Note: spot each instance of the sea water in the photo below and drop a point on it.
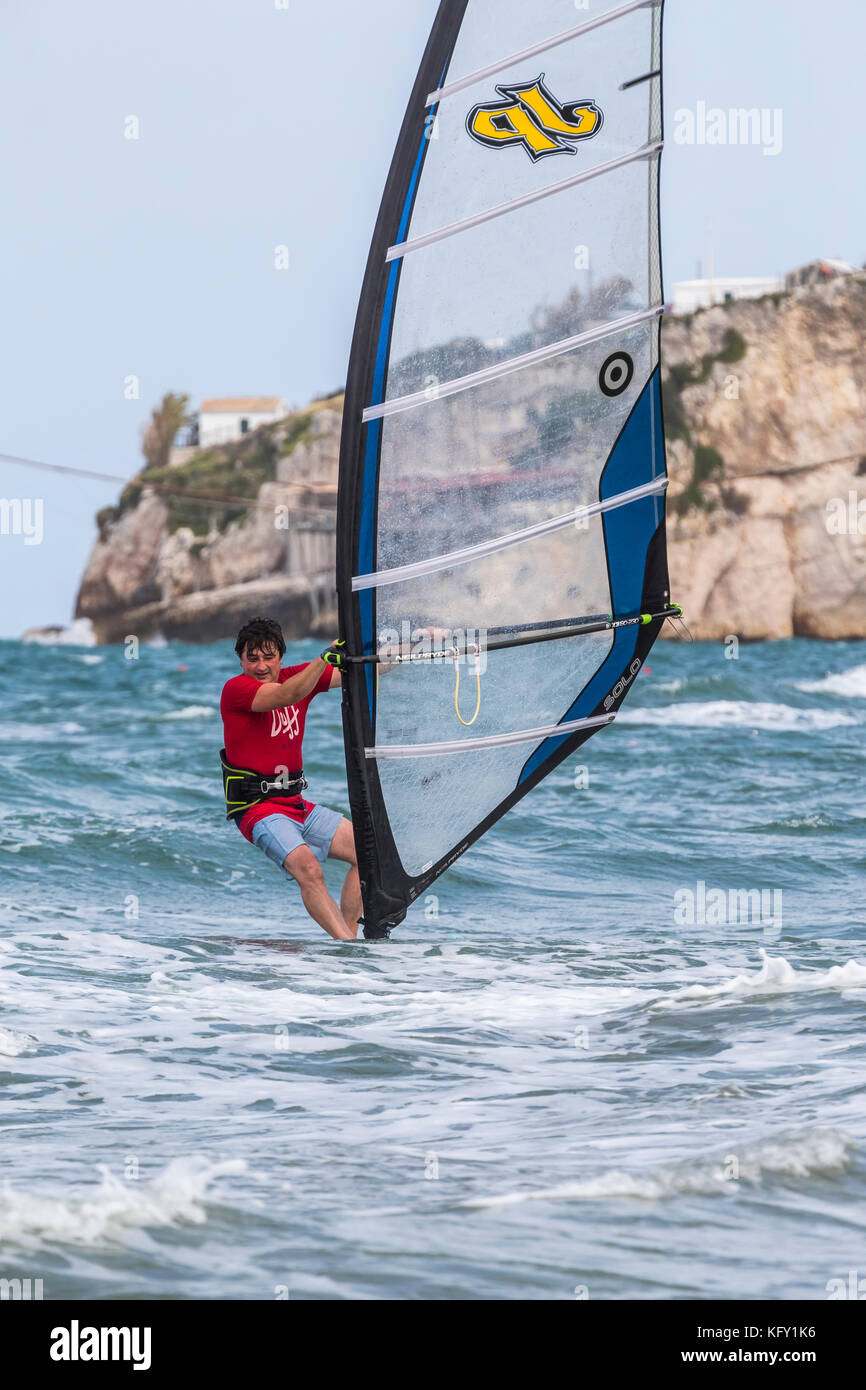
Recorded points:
(616, 1052)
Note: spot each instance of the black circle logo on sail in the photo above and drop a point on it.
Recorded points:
(616, 373)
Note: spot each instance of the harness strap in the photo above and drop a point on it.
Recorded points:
(244, 788)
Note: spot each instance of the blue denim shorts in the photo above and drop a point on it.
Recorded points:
(278, 835)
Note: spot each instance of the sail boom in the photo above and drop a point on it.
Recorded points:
(523, 635)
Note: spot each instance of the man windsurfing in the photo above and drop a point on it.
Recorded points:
(263, 711)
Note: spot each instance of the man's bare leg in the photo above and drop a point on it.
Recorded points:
(305, 868)
(343, 847)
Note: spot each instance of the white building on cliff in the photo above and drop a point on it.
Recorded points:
(227, 418)
(690, 295)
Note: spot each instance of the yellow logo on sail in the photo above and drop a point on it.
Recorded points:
(531, 116)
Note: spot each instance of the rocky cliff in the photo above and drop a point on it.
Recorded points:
(765, 416)
(193, 549)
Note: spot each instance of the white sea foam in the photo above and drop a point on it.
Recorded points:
(851, 683)
(776, 976)
(14, 1044)
(189, 712)
(37, 732)
(113, 948)
(815, 821)
(811, 1155)
(534, 1005)
(77, 634)
(745, 714)
(529, 1005)
(111, 1213)
(303, 1282)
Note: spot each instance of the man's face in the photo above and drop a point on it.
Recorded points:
(262, 663)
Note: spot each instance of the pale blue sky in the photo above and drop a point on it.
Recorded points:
(262, 126)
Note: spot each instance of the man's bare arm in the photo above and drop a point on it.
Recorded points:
(272, 695)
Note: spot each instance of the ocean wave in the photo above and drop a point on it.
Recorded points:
(720, 714)
(78, 634)
(776, 976)
(116, 1209)
(810, 1155)
(188, 712)
(851, 683)
(816, 820)
(38, 732)
(537, 1007)
(529, 1005)
(14, 1044)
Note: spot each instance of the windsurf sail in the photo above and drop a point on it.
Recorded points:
(502, 569)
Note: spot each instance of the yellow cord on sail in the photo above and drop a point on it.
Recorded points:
(467, 723)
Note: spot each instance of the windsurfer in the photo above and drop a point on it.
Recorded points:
(264, 711)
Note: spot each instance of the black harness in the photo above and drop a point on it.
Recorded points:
(243, 788)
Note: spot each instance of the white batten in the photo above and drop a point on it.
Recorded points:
(511, 364)
(404, 248)
(461, 83)
(419, 568)
(469, 745)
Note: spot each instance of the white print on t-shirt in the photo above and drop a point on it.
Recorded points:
(284, 721)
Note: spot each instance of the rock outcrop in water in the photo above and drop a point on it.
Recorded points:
(765, 414)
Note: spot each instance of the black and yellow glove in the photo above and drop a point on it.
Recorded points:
(335, 655)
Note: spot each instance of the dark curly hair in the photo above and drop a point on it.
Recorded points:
(260, 632)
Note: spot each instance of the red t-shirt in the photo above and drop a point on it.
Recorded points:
(268, 740)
